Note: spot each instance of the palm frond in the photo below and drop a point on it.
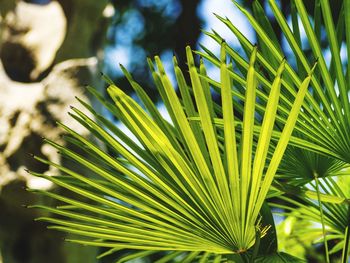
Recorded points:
(181, 186)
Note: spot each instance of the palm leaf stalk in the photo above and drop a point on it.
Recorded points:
(322, 217)
(177, 187)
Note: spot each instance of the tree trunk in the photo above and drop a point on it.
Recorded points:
(48, 53)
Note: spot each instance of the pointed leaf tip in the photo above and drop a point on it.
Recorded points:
(175, 61)
(159, 65)
(150, 64)
(313, 67)
(190, 59)
(122, 67)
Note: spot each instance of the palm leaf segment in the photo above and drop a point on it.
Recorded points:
(177, 187)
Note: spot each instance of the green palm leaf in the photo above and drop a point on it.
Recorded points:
(182, 186)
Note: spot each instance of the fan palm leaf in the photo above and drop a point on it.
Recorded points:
(299, 167)
(179, 186)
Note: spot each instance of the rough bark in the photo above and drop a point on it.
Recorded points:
(48, 52)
